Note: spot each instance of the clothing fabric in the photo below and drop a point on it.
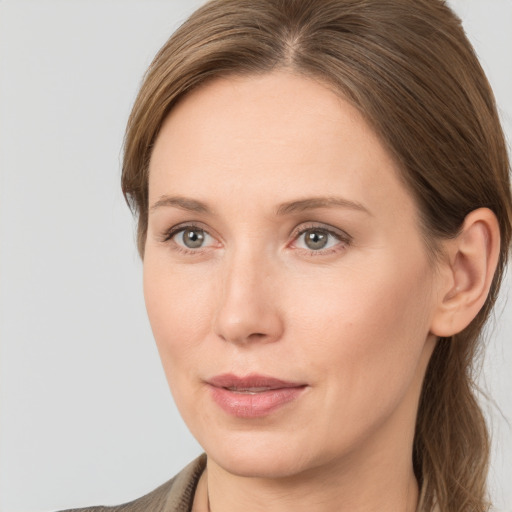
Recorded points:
(176, 495)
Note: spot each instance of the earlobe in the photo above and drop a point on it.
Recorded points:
(468, 271)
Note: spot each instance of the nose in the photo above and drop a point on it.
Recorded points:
(248, 309)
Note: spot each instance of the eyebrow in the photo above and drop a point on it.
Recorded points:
(319, 202)
(184, 203)
(298, 206)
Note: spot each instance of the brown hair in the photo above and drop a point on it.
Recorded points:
(410, 70)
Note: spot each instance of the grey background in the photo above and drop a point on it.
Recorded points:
(86, 416)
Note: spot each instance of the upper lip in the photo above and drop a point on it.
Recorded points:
(252, 381)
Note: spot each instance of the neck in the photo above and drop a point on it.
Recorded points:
(375, 486)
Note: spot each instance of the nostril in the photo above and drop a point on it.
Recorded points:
(257, 335)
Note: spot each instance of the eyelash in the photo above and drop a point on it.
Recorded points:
(343, 238)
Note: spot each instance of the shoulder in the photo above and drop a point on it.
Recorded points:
(175, 495)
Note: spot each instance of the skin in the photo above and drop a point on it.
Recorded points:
(355, 322)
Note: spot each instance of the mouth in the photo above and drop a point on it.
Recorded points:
(248, 391)
(252, 396)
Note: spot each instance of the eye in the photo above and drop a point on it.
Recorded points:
(319, 239)
(190, 237)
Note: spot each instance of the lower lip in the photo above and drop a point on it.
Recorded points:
(257, 405)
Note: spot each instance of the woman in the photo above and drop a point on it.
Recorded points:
(324, 217)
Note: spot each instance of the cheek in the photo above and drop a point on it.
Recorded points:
(366, 330)
(179, 304)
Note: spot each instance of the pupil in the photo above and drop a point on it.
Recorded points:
(316, 240)
(193, 238)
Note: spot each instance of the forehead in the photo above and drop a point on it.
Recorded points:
(273, 136)
(273, 112)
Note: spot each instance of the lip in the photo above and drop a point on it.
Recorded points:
(252, 396)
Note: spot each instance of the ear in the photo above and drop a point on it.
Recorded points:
(467, 272)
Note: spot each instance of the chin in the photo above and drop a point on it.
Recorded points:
(268, 465)
(257, 455)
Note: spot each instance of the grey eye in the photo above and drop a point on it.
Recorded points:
(316, 239)
(193, 238)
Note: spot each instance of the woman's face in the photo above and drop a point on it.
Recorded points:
(286, 279)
